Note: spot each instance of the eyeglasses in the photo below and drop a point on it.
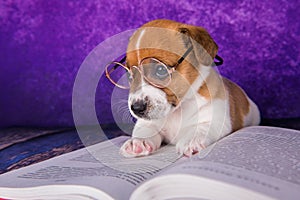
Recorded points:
(151, 69)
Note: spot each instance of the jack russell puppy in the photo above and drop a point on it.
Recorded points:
(175, 93)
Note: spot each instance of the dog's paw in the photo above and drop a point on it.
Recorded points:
(137, 147)
(188, 147)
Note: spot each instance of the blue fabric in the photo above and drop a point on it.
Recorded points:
(40, 145)
(47, 146)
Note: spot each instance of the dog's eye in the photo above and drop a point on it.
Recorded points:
(161, 71)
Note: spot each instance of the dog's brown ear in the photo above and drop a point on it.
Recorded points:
(204, 47)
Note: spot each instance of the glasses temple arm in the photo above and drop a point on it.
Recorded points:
(184, 55)
(220, 60)
(121, 61)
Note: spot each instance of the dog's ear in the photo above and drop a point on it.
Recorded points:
(204, 47)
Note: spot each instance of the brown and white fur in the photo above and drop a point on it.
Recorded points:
(198, 107)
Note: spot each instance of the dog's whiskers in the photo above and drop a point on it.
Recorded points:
(122, 109)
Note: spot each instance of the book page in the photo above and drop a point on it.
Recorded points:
(100, 166)
(54, 192)
(263, 159)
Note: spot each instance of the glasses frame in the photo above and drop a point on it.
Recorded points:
(170, 69)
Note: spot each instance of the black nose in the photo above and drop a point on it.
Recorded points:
(139, 107)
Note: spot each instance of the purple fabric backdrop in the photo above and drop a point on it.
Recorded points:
(43, 44)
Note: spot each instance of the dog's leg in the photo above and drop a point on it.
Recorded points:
(195, 139)
(145, 140)
(190, 144)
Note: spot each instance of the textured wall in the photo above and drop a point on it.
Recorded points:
(43, 44)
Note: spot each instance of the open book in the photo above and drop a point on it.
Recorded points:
(252, 163)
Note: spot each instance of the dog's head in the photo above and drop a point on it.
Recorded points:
(165, 58)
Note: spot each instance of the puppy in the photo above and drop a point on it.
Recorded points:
(175, 93)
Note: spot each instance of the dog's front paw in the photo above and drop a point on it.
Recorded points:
(188, 147)
(137, 147)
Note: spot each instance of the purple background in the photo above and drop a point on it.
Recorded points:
(43, 44)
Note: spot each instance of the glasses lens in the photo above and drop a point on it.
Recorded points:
(118, 74)
(156, 72)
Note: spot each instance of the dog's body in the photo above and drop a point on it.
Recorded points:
(197, 108)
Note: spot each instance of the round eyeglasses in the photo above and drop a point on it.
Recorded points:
(152, 70)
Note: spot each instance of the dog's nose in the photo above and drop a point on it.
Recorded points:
(139, 107)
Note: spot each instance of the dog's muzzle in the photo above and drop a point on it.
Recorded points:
(139, 107)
